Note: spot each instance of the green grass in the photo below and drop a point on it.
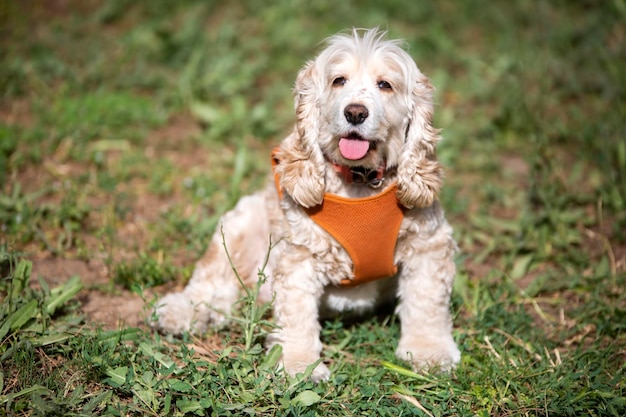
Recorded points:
(127, 129)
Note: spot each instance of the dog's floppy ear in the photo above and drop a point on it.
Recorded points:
(420, 175)
(301, 166)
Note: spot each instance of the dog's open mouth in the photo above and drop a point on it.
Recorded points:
(354, 147)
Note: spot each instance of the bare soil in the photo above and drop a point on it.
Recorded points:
(104, 304)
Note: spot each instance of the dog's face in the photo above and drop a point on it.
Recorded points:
(365, 112)
(363, 102)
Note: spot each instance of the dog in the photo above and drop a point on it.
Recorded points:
(352, 212)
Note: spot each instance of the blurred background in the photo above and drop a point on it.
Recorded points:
(117, 115)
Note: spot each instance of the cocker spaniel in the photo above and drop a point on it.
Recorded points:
(352, 213)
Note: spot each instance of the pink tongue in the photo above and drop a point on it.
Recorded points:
(353, 148)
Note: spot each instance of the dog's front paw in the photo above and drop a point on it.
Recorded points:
(429, 354)
(176, 314)
(297, 361)
(320, 373)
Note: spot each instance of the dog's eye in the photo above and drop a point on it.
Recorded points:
(384, 85)
(339, 81)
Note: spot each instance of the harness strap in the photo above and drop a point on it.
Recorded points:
(367, 228)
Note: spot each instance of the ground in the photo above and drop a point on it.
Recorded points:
(128, 128)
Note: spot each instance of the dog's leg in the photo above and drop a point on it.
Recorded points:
(297, 294)
(213, 287)
(424, 291)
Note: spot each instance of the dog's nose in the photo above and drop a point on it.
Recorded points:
(355, 113)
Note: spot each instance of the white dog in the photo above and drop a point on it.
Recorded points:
(353, 213)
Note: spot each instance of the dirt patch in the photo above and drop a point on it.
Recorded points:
(94, 258)
(56, 270)
(101, 308)
(15, 112)
(114, 311)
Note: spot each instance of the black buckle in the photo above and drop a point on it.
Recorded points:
(369, 177)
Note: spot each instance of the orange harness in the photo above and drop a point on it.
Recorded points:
(367, 228)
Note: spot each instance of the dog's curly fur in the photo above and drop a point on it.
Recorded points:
(306, 263)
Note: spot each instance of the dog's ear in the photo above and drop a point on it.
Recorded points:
(420, 175)
(301, 166)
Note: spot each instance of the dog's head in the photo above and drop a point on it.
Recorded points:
(363, 102)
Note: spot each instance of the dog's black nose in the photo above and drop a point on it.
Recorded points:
(356, 113)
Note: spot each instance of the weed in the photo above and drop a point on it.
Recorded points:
(22, 216)
(8, 146)
(143, 271)
(253, 313)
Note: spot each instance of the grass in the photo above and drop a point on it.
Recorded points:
(128, 128)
